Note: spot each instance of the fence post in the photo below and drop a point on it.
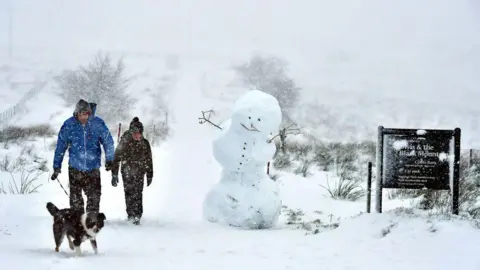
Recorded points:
(369, 187)
(470, 158)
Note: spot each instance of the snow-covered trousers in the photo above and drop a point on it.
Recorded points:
(133, 181)
(88, 182)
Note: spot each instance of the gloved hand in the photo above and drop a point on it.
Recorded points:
(108, 165)
(55, 174)
(114, 180)
(149, 181)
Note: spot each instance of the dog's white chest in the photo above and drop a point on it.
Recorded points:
(90, 231)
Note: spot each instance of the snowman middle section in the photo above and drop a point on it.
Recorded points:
(240, 153)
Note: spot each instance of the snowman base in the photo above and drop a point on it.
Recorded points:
(243, 204)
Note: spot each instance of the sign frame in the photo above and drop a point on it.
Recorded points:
(414, 165)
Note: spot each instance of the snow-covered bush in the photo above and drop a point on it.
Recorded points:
(102, 82)
(21, 163)
(282, 161)
(469, 195)
(440, 201)
(304, 168)
(323, 157)
(159, 128)
(16, 134)
(20, 174)
(403, 193)
(300, 151)
(157, 131)
(347, 160)
(344, 158)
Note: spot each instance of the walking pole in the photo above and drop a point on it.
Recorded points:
(119, 131)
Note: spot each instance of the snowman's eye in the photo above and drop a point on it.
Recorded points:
(258, 119)
(249, 117)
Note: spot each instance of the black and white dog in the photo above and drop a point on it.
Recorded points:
(77, 226)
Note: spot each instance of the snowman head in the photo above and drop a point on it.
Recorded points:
(256, 112)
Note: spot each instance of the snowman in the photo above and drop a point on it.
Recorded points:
(245, 196)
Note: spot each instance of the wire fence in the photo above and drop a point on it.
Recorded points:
(11, 112)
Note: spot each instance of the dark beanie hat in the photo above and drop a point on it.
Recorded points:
(82, 106)
(136, 125)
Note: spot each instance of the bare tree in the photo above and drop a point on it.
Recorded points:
(269, 74)
(283, 133)
(159, 128)
(102, 82)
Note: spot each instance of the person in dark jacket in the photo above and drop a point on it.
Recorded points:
(82, 135)
(135, 156)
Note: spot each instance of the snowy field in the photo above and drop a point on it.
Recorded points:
(171, 238)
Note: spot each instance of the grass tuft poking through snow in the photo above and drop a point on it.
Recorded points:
(295, 219)
(24, 183)
(344, 189)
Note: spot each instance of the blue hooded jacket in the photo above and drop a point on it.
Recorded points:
(84, 143)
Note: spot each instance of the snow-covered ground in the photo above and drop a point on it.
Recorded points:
(173, 236)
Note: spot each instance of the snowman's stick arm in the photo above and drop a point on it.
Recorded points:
(292, 130)
(206, 119)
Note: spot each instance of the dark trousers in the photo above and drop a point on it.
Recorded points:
(133, 188)
(88, 182)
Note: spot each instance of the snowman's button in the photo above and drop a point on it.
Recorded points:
(243, 148)
(243, 155)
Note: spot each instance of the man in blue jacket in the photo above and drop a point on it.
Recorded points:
(82, 134)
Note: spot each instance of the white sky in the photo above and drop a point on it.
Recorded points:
(408, 47)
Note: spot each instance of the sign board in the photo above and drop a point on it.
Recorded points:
(415, 162)
(418, 159)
